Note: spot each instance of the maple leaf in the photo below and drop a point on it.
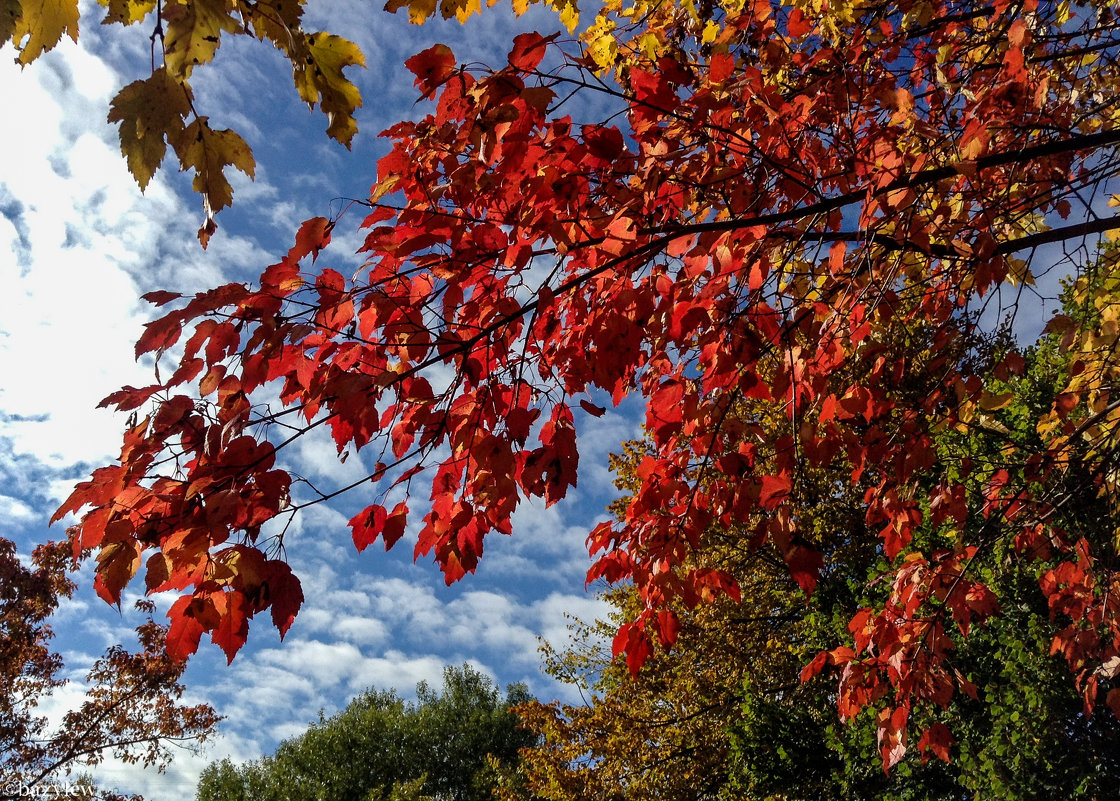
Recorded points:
(773, 490)
(432, 67)
(233, 629)
(127, 12)
(312, 237)
(151, 113)
(208, 153)
(193, 33)
(10, 13)
(319, 79)
(36, 27)
(185, 631)
(418, 10)
(529, 50)
(367, 525)
(286, 594)
(936, 739)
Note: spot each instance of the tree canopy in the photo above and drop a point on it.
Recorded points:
(131, 710)
(724, 714)
(460, 744)
(834, 210)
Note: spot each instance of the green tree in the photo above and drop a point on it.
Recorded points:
(458, 744)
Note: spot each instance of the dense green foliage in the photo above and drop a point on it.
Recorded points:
(725, 715)
(460, 744)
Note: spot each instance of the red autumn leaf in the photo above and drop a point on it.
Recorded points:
(233, 627)
(395, 523)
(432, 67)
(312, 237)
(798, 24)
(160, 298)
(128, 398)
(367, 525)
(668, 626)
(286, 594)
(1112, 699)
(815, 666)
(935, 739)
(185, 632)
(892, 735)
(528, 50)
(804, 566)
(773, 490)
(721, 67)
(591, 408)
(160, 335)
(117, 563)
(604, 143)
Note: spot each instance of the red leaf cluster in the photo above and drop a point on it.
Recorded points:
(774, 242)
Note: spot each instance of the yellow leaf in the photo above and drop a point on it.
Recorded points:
(126, 12)
(39, 25)
(601, 44)
(276, 22)
(208, 153)
(319, 78)
(418, 10)
(569, 13)
(193, 32)
(384, 187)
(520, 7)
(150, 113)
(460, 9)
(1018, 272)
(990, 402)
(10, 13)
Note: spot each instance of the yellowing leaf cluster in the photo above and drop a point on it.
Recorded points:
(1084, 425)
(319, 78)
(159, 111)
(419, 11)
(152, 114)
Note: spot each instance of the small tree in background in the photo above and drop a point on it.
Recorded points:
(459, 744)
(131, 710)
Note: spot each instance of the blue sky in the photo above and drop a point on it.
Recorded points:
(79, 244)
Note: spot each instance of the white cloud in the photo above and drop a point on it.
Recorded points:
(15, 511)
(76, 236)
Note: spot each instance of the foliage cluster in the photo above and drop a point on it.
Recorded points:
(131, 709)
(460, 744)
(802, 239)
